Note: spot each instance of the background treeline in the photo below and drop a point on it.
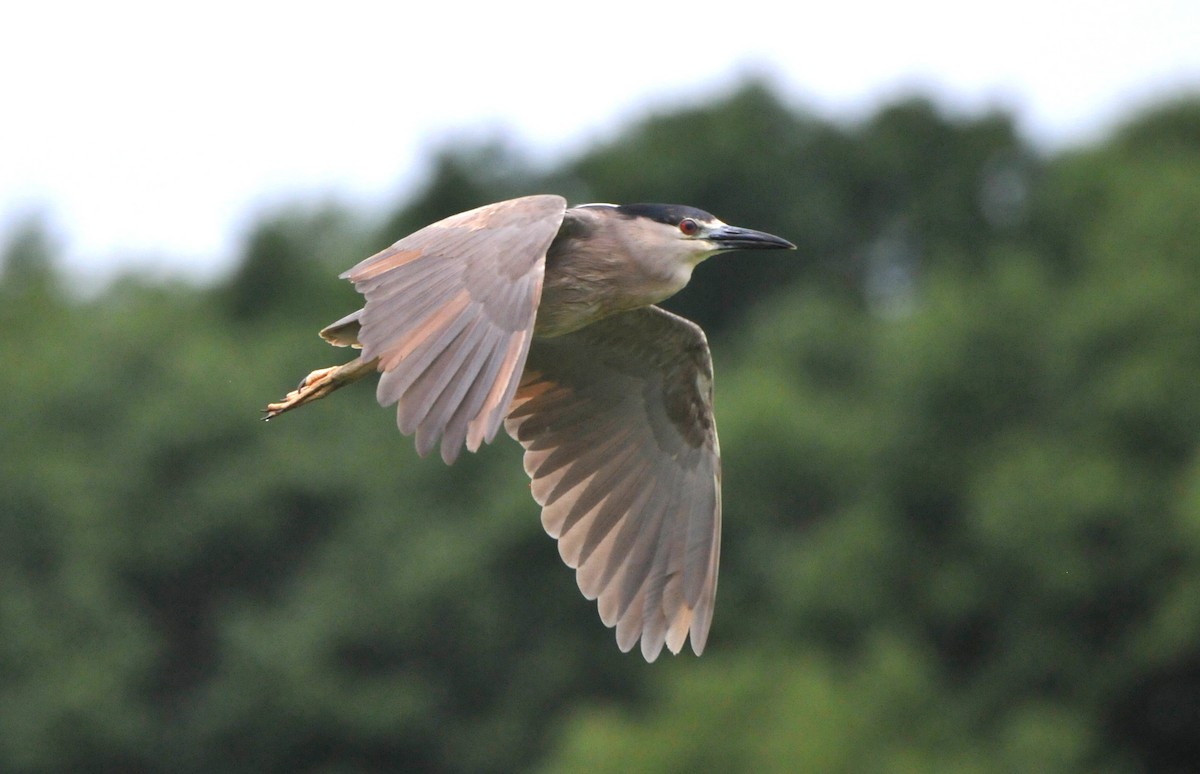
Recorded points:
(962, 482)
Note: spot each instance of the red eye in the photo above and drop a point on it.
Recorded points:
(689, 227)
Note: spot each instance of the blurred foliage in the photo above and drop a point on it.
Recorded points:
(962, 483)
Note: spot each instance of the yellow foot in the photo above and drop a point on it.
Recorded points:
(316, 385)
(320, 383)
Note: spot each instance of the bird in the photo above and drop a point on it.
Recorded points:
(543, 318)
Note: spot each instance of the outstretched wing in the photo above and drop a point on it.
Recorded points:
(616, 421)
(449, 314)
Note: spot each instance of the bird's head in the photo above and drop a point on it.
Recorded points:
(690, 234)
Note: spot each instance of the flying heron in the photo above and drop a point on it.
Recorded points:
(541, 317)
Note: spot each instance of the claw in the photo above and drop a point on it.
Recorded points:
(316, 385)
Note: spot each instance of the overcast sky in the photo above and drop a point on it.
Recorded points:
(150, 133)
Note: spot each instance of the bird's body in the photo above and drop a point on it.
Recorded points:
(541, 317)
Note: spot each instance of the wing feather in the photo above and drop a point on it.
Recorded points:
(616, 421)
(449, 315)
(440, 390)
(610, 464)
(630, 626)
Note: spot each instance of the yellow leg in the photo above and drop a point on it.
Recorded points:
(320, 383)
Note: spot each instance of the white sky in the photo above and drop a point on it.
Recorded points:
(150, 133)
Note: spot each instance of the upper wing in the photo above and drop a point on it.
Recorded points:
(616, 421)
(449, 314)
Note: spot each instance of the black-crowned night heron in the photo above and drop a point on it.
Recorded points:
(541, 316)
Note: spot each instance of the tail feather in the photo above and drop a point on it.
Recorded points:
(344, 332)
